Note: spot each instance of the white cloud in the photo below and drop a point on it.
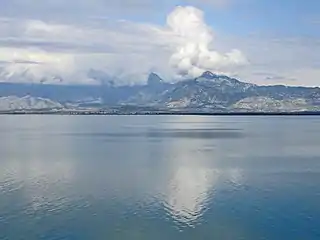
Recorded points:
(34, 65)
(186, 45)
(194, 55)
(119, 47)
(69, 51)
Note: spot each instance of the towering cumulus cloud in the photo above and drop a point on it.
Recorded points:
(194, 55)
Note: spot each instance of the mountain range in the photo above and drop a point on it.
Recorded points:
(207, 93)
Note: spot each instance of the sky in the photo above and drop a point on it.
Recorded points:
(258, 41)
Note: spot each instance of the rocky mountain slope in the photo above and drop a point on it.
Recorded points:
(209, 92)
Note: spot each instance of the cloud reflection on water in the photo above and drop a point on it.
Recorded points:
(195, 177)
(189, 193)
(50, 160)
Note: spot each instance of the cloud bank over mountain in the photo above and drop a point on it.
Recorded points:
(182, 48)
(60, 42)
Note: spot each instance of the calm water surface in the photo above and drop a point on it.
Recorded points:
(159, 177)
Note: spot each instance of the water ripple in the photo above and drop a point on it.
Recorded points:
(169, 133)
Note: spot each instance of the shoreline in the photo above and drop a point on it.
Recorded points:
(102, 113)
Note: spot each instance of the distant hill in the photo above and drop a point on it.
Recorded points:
(27, 103)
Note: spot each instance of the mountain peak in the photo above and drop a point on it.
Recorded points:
(154, 79)
(208, 75)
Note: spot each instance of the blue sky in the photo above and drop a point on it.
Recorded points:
(260, 41)
(274, 17)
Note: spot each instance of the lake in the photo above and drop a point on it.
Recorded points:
(159, 177)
